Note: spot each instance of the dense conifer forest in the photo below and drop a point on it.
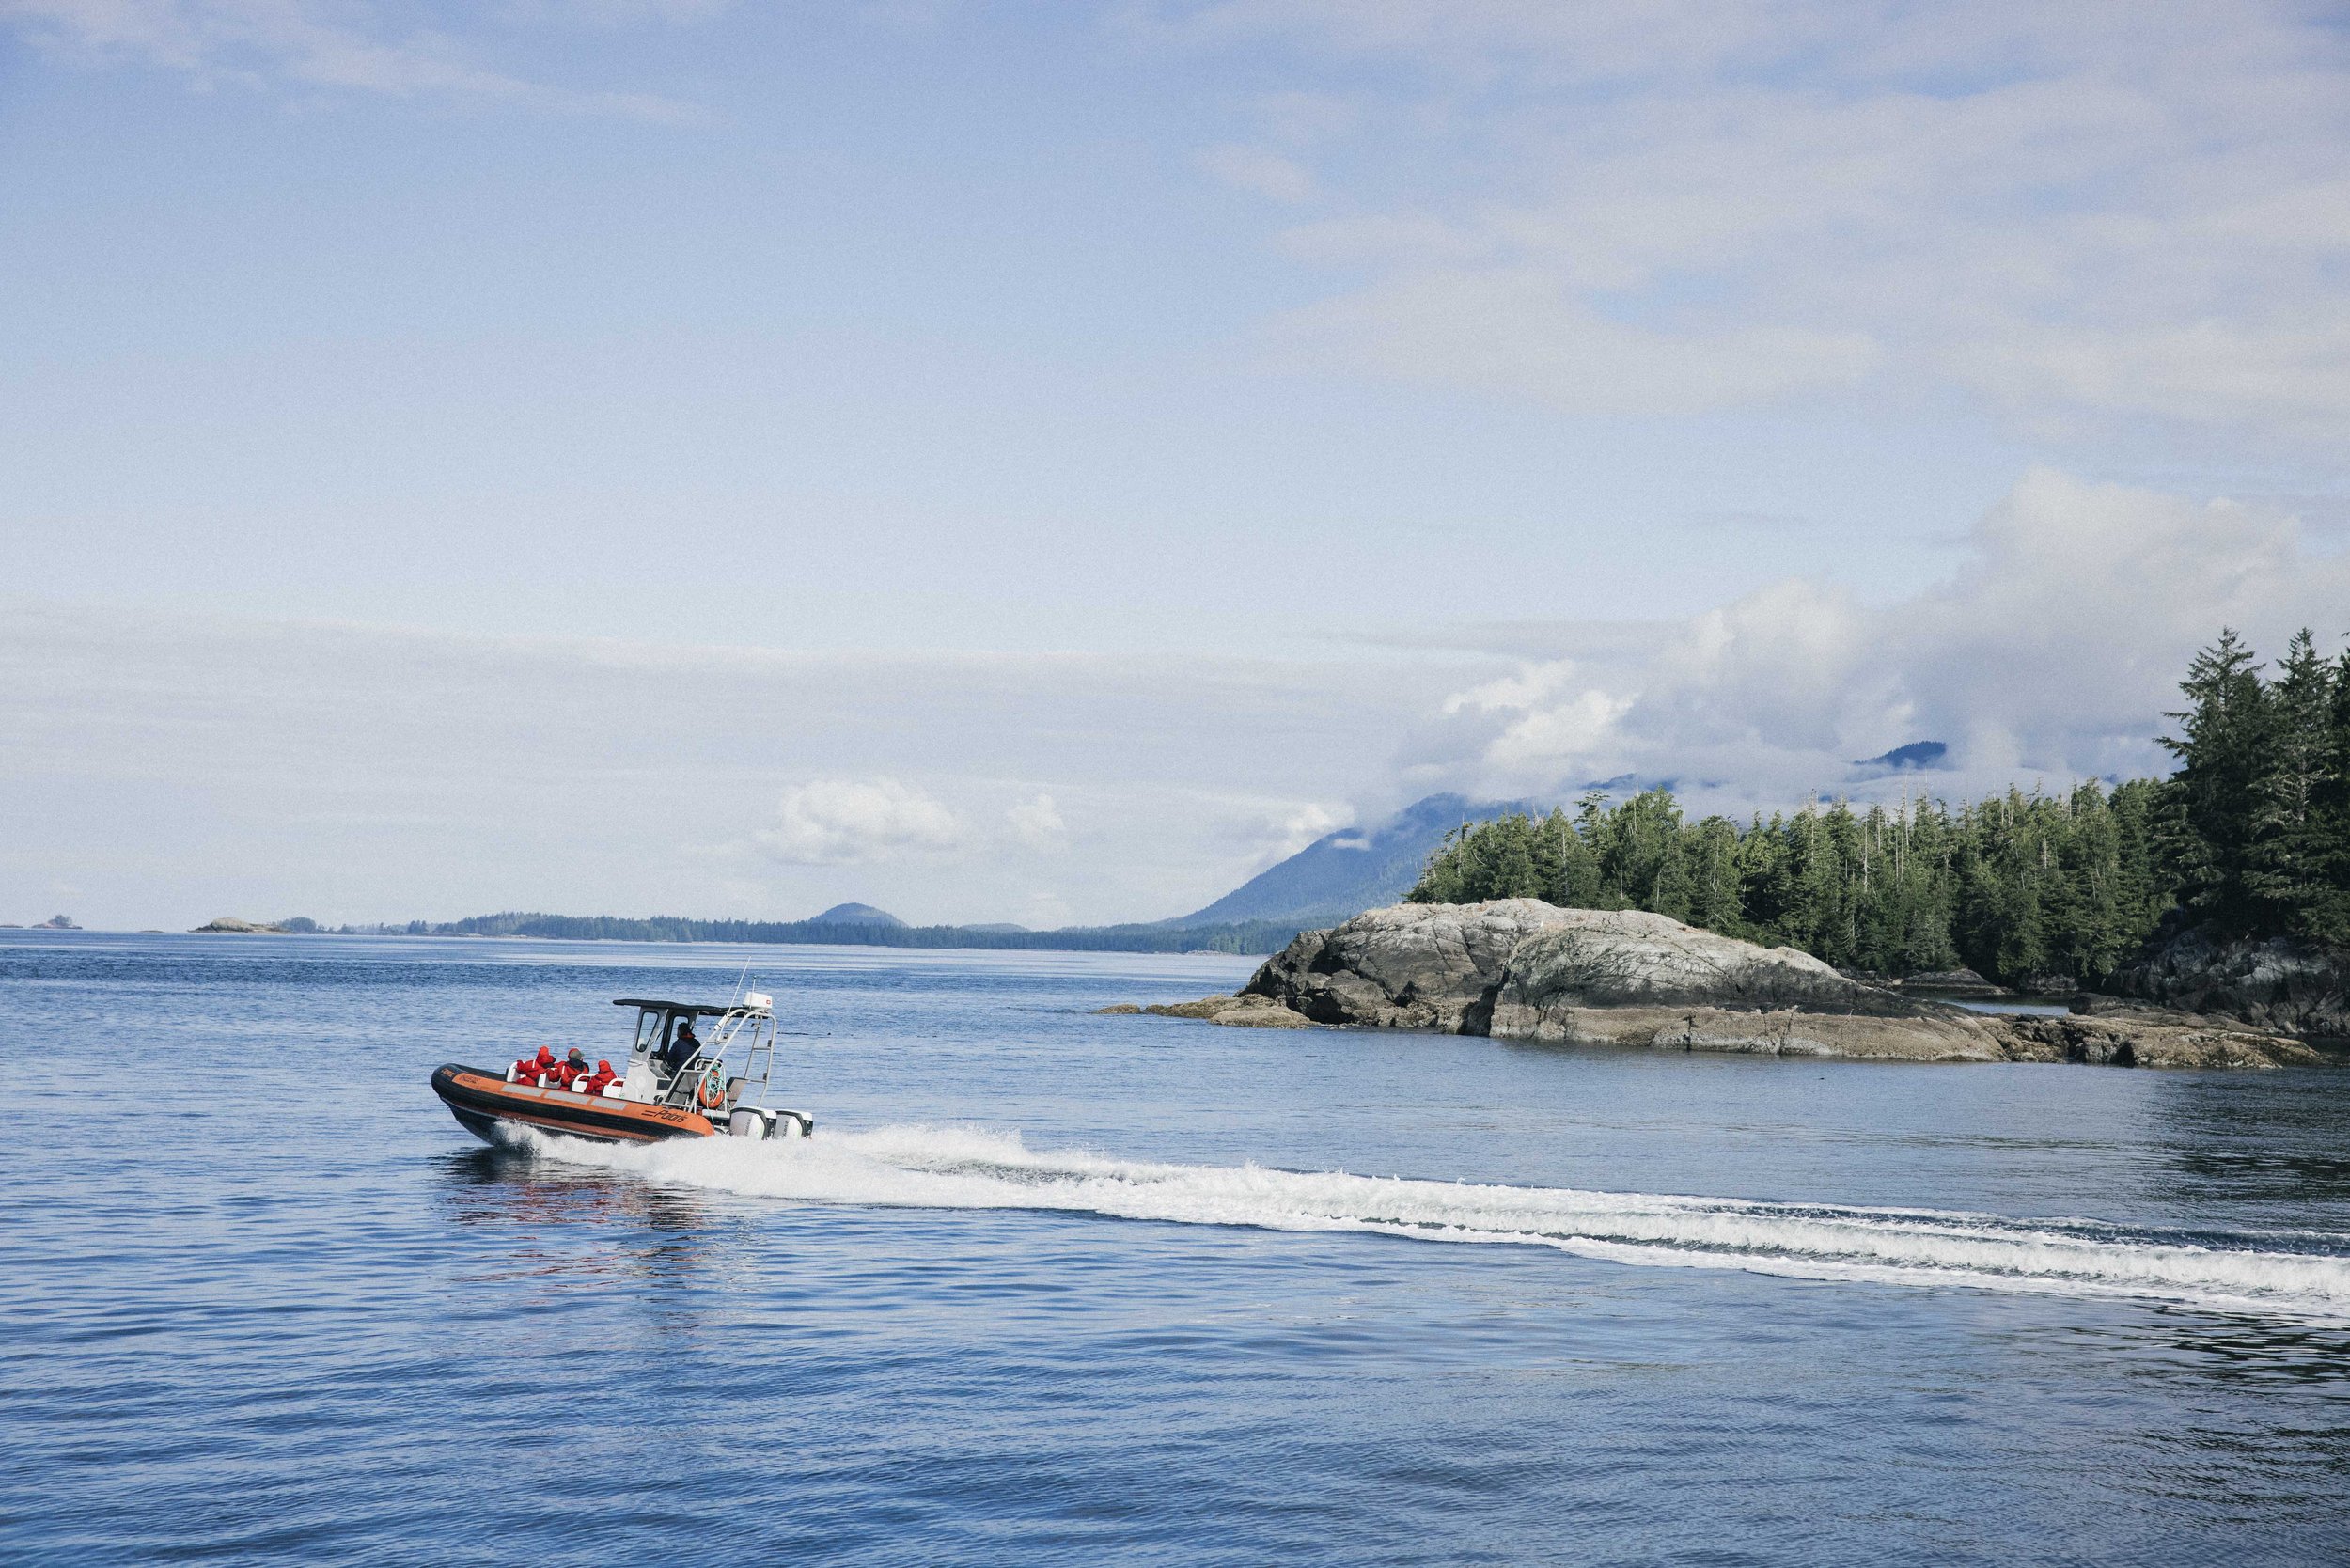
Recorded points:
(2249, 837)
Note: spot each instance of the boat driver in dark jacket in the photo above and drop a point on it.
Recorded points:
(685, 1046)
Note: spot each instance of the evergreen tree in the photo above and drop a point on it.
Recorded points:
(1511, 870)
(2334, 811)
(1712, 859)
(1649, 867)
(1769, 879)
(2141, 897)
(1578, 855)
(2211, 803)
(1921, 860)
(2290, 854)
(2083, 904)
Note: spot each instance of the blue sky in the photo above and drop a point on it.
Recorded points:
(1381, 396)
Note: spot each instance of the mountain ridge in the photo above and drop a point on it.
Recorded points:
(854, 915)
(1340, 874)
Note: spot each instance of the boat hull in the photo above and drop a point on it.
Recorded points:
(484, 1102)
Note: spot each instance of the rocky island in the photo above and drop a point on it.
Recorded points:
(1525, 969)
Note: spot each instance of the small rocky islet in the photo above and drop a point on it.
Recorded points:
(1524, 969)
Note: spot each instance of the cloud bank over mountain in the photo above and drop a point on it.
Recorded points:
(2051, 655)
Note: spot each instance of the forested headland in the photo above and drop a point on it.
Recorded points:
(2249, 837)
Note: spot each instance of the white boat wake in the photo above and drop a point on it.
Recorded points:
(956, 1168)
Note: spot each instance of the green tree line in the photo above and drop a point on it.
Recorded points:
(2251, 837)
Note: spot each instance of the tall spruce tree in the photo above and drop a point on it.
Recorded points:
(2334, 811)
(1711, 858)
(2211, 802)
(2288, 859)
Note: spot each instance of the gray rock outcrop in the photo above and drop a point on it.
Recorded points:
(1523, 969)
(2298, 987)
(1409, 966)
(2148, 1037)
(1625, 977)
(1951, 982)
(1236, 1012)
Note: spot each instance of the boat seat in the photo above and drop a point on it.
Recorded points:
(735, 1092)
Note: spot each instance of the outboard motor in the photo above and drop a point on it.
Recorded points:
(758, 1122)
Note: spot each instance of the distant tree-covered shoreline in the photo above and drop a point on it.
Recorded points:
(1246, 936)
(2251, 837)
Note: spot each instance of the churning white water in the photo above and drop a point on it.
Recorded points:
(959, 1169)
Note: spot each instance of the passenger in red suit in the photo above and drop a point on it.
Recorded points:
(598, 1081)
(570, 1070)
(529, 1070)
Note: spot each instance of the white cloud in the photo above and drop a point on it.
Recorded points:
(2051, 654)
(1296, 829)
(1265, 832)
(847, 822)
(1514, 330)
(2125, 211)
(314, 43)
(2293, 375)
(1036, 825)
(1259, 172)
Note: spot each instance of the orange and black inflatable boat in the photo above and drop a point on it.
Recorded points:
(481, 1100)
(677, 1085)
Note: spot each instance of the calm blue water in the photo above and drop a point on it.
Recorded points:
(1063, 1289)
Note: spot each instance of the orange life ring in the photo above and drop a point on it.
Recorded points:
(712, 1092)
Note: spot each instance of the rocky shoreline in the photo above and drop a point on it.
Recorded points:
(2301, 988)
(1523, 969)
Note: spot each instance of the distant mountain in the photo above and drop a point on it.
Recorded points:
(1918, 755)
(1628, 784)
(854, 915)
(1346, 873)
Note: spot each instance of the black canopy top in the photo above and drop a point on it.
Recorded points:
(694, 1010)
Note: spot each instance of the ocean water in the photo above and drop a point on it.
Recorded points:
(1054, 1288)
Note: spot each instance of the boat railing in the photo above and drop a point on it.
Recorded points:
(750, 1028)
